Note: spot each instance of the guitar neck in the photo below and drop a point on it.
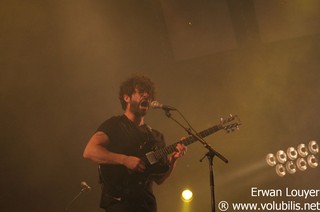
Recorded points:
(163, 152)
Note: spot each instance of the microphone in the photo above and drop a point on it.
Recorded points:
(85, 186)
(157, 105)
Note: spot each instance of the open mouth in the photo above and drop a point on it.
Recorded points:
(144, 104)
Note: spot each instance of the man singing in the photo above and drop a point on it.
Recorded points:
(118, 146)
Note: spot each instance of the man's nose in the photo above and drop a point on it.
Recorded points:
(145, 95)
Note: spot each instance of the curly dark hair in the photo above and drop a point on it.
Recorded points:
(142, 83)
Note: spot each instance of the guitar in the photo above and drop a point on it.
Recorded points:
(118, 178)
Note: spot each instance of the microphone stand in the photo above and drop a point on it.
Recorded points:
(74, 199)
(210, 154)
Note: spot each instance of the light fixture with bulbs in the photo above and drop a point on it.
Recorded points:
(294, 159)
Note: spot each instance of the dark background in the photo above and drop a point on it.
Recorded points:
(62, 62)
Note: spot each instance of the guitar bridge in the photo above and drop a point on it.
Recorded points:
(151, 158)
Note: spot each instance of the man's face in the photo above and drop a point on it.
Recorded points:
(139, 103)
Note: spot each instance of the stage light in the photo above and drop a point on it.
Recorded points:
(312, 161)
(291, 167)
(281, 156)
(302, 150)
(292, 153)
(186, 195)
(313, 147)
(280, 170)
(302, 164)
(294, 159)
(271, 159)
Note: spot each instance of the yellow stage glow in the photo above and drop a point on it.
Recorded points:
(186, 195)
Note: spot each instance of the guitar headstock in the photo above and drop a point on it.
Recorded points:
(230, 124)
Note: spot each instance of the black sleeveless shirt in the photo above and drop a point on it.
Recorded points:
(117, 183)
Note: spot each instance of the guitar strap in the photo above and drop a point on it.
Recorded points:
(150, 141)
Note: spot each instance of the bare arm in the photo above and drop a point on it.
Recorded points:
(96, 152)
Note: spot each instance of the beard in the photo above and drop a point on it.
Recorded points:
(135, 108)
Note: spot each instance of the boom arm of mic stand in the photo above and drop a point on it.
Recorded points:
(204, 143)
(74, 199)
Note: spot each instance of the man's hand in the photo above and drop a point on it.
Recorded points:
(180, 151)
(134, 164)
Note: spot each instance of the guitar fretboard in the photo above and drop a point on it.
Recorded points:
(163, 152)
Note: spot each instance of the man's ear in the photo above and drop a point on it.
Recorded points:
(126, 98)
